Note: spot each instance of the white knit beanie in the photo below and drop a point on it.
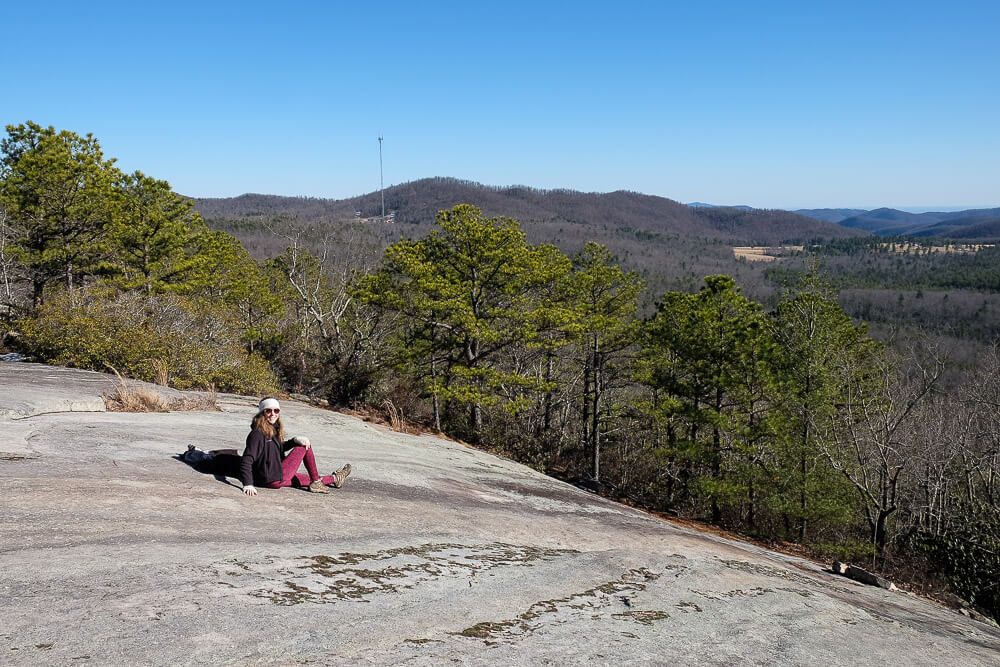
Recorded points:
(266, 403)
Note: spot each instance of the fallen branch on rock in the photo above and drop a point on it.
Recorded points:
(864, 576)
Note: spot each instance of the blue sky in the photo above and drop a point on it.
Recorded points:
(772, 104)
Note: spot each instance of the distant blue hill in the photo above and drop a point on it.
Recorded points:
(979, 224)
(741, 207)
(830, 214)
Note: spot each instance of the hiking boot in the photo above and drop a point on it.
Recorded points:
(340, 476)
(317, 486)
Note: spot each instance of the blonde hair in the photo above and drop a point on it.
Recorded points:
(277, 431)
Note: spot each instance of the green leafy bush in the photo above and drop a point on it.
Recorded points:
(169, 339)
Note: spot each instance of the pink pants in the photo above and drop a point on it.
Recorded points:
(290, 466)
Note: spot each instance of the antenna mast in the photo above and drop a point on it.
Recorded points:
(381, 183)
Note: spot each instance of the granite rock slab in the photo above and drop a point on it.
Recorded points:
(114, 552)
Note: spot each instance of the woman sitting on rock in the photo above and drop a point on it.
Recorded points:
(273, 462)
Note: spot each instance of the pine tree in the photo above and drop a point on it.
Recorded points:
(469, 293)
(56, 186)
(152, 241)
(706, 360)
(821, 352)
(604, 299)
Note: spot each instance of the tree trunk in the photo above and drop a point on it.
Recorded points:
(804, 481)
(717, 458)
(37, 291)
(146, 271)
(547, 416)
(671, 460)
(595, 424)
(585, 421)
(476, 414)
(435, 401)
(477, 421)
(803, 460)
(878, 532)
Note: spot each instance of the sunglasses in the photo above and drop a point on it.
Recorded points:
(268, 411)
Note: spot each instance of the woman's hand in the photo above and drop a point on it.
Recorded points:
(303, 441)
(249, 490)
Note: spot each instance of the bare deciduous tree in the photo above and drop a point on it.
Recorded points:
(875, 437)
(319, 267)
(12, 274)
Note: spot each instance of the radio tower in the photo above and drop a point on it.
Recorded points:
(381, 184)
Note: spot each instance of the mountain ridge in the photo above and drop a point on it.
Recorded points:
(417, 202)
(968, 224)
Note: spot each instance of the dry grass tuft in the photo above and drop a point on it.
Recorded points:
(130, 397)
(395, 418)
(387, 414)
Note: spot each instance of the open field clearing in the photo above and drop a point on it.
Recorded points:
(765, 253)
(948, 248)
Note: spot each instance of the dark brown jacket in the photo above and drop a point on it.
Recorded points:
(261, 462)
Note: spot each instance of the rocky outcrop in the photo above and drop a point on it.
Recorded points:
(114, 552)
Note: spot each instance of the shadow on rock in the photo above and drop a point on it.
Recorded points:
(221, 463)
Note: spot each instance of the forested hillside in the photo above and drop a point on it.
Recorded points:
(613, 340)
(877, 284)
(951, 290)
(671, 245)
(417, 202)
